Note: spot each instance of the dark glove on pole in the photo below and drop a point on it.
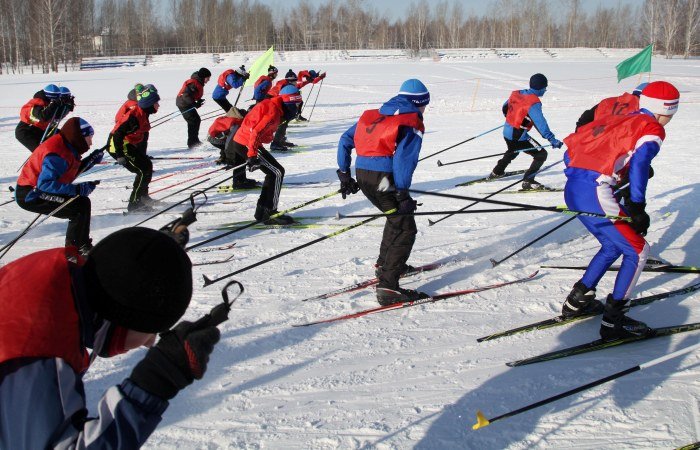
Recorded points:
(640, 219)
(406, 204)
(348, 185)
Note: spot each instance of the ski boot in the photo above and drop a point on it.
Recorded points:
(387, 296)
(616, 325)
(581, 300)
(139, 206)
(276, 147)
(245, 183)
(289, 144)
(532, 185)
(378, 269)
(301, 118)
(493, 175)
(263, 214)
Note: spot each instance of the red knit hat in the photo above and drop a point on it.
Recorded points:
(660, 97)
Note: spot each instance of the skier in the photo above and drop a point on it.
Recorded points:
(263, 84)
(523, 110)
(130, 103)
(55, 305)
(126, 146)
(612, 106)
(599, 154)
(44, 111)
(188, 100)
(388, 141)
(257, 128)
(220, 135)
(305, 77)
(229, 79)
(279, 142)
(46, 180)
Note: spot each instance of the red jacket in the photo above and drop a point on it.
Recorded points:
(260, 124)
(53, 145)
(223, 125)
(38, 317)
(518, 107)
(375, 134)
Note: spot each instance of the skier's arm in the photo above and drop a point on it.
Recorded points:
(131, 125)
(408, 147)
(45, 113)
(260, 91)
(345, 146)
(52, 168)
(535, 114)
(647, 148)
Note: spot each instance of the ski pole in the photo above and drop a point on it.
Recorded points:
(557, 209)
(494, 263)
(162, 118)
(440, 163)
(239, 95)
(197, 166)
(251, 224)
(177, 113)
(482, 421)
(208, 281)
(307, 98)
(193, 178)
(212, 113)
(339, 216)
(316, 99)
(460, 143)
(176, 157)
(662, 269)
(431, 222)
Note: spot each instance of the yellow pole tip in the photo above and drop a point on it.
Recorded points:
(481, 421)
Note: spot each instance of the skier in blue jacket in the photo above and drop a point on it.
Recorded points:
(229, 79)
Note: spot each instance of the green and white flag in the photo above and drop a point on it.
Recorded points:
(639, 63)
(259, 67)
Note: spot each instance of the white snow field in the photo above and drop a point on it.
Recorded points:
(415, 377)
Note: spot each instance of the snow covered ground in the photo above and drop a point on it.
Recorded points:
(411, 378)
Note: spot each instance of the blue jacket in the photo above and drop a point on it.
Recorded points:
(535, 113)
(235, 81)
(52, 168)
(260, 91)
(408, 145)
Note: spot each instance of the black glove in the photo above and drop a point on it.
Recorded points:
(180, 357)
(253, 163)
(640, 219)
(198, 103)
(121, 161)
(68, 102)
(406, 204)
(86, 188)
(348, 185)
(95, 157)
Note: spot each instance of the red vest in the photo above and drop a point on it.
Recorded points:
(129, 104)
(617, 106)
(222, 79)
(25, 114)
(518, 107)
(375, 134)
(261, 79)
(199, 88)
(38, 317)
(600, 145)
(223, 125)
(55, 144)
(275, 90)
(144, 125)
(260, 124)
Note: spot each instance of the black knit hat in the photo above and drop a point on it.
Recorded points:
(140, 279)
(290, 75)
(204, 73)
(538, 81)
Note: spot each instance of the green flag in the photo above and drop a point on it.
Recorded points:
(639, 63)
(259, 67)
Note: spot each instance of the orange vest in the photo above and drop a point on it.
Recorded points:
(223, 125)
(222, 79)
(518, 107)
(38, 317)
(375, 134)
(199, 88)
(129, 104)
(617, 106)
(144, 125)
(55, 145)
(600, 145)
(25, 114)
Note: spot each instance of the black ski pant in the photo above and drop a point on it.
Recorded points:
(235, 158)
(281, 133)
(224, 103)
(29, 135)
(193, 120)
(137, 162)
(77, 212)
(538, 157)
(399, 232)
(274, 173)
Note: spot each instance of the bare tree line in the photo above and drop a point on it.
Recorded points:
(48, 34)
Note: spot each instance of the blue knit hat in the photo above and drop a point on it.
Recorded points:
(65, 92)
(52, 91)
(290, 94)
(415, 92)
(85, 128)
(638, 90)
(148, 96)
(538, 82)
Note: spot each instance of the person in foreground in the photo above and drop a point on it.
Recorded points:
(599, 154)
(388, 141)
(54, 305)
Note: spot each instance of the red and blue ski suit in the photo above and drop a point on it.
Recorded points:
(600, 154)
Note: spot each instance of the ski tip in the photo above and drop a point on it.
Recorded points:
(481, 421)
(439, 163)
(494, 263)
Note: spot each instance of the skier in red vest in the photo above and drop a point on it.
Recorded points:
(188, 100)
(126, 146)
(55, 305)
(46, 180)
(221, 134)
(229, 79)
(45, 110)
(305, 77)
(388, 141)
(279, 142)
(612, 106)
(263, 84)
(598, 155)
(523, 110)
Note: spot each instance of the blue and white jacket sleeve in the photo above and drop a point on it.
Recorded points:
(345, 146)
(535, 113)
(639, 169)
(408, 148)
(52, 168)
(260, 91)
